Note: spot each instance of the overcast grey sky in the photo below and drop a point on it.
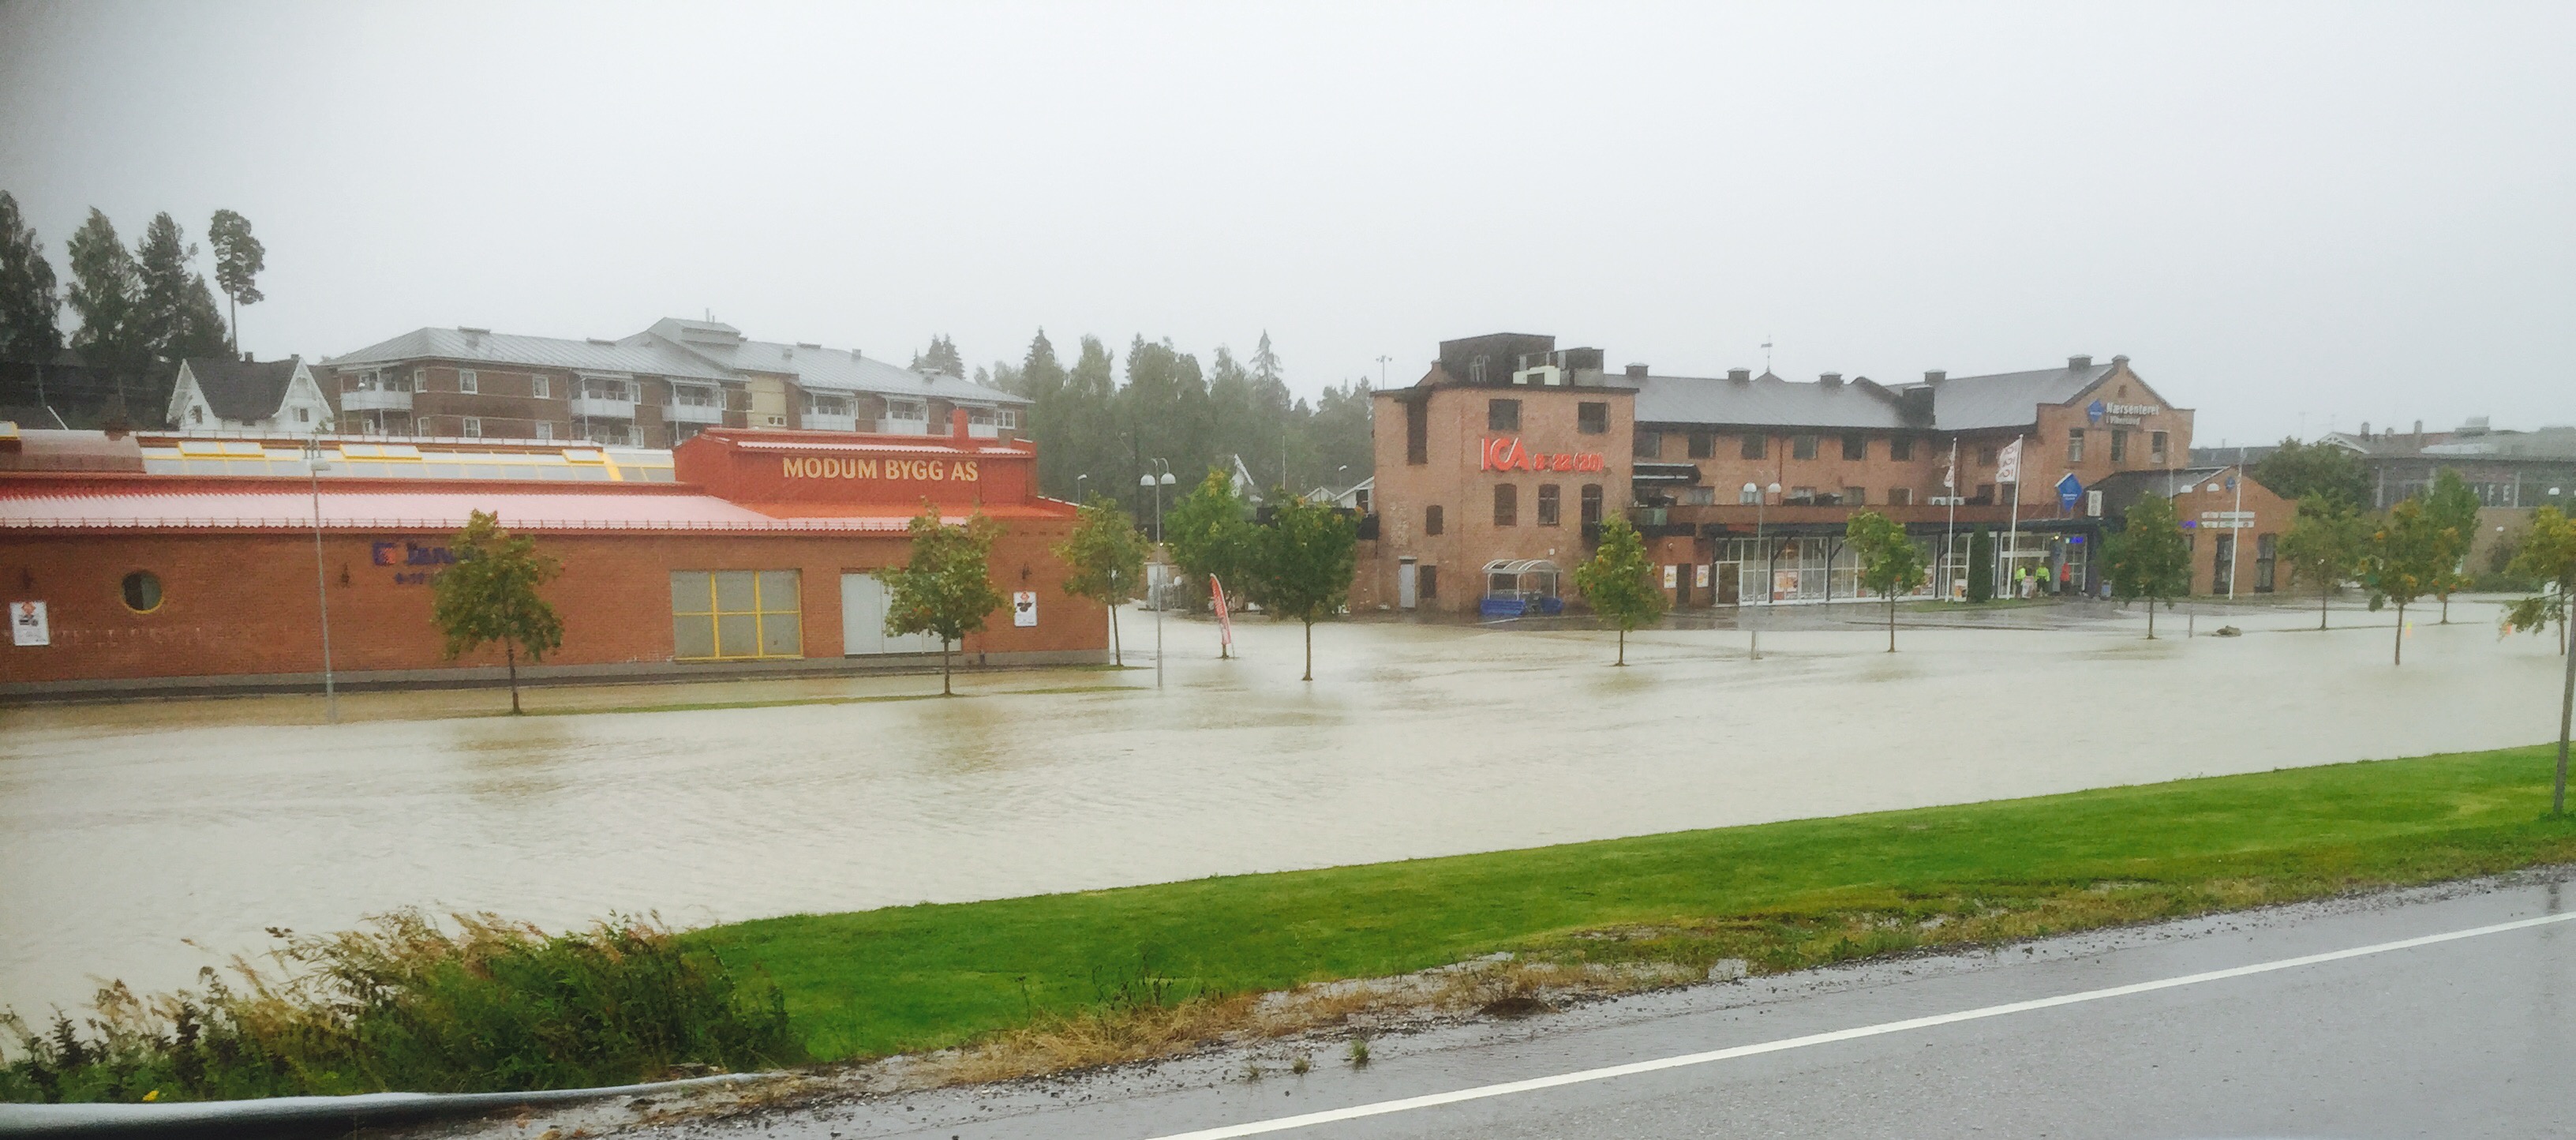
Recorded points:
(2284, 214)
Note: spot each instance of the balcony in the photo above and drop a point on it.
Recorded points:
(710, 414)
(825, 421)
(375, 400)
(605, 407)
(892, 426)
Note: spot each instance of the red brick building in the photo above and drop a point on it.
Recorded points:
(745, 552)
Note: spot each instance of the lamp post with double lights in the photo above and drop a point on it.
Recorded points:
(1155, 588)
(321, 579)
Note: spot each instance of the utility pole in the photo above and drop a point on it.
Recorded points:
(1950, 529)
(321, 579)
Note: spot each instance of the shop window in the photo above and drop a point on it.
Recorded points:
(1900, 496)
(1900, 448)
(2156, 448)
(142, 591)
(1502, 415)
(1650, 445)
(1802, 447)
(735, 615)
(1756, 446)
(1855, 447)
(1417, 433)
(1592, 418)
(1591, 504)
(2075, 445)
(2267, 555)
(1507, 504)
(1547, 504)
(1432, 523)
(1703, 445)
(1426, 582)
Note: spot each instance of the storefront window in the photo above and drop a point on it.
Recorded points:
(735, 615)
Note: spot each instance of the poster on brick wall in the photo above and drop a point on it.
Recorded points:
(1024, 608)
(28, 626)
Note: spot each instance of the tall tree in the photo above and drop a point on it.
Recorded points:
(2548, 556)
(2297, 470)
(942, 358)
(1616, 581)
(946, 588)
(2406, 556)
(1981, 567)
(176, 312)
(1307, 555)
(1890, 563)
(1278, 411)
(239, 260)
(2454, 508)
(2324, 547)
(1211, 533)
(106, 295)
(1106, 559)
(1164, 407)
(490, 595)
(30, 304)
(2149, 558)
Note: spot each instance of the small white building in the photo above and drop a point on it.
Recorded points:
(218, 394)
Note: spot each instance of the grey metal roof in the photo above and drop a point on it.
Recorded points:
(240, 391)
(1765, 401)
(649, 359)
(2122, 489)
(2005, 399)
(829, 369)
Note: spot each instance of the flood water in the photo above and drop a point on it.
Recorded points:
(144, 840)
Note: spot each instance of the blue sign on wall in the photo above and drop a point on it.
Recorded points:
(2093, 411)
(2069, 491)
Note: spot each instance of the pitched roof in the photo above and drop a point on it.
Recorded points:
(2005, 399)
(1764, 400)
(2122, 489)
(242, 391)
(476, 346)
(813, 366)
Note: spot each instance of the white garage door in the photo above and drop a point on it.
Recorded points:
(863, 612)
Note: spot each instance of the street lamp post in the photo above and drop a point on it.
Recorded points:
(1157, 590)
(321, 579)
(1077, 488)
(1761, 502)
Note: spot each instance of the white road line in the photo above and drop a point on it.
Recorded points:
(1508, 1088)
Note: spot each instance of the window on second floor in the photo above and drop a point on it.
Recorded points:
(1855, 447)
(1591, 504)
(1507, 505)
(467, 381)
(1432, 522)
(1802, 447)
(1592, 417)
(817, 404)
(1547, 504)
(693, 396)
(2119, 446)
(2075, 445)
(1502, 415)
(1756, 446)
(2156, 447)
(1986, 455)
(1703, 445)
(540, 388)
(1900, 448)
(1650, 445)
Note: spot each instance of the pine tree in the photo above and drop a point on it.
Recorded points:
(105, 295)
(176, 312)
(30, 304)
(239, 260)
(490, 595)
(1617, 583)
(942, 358)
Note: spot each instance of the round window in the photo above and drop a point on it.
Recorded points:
(142, 592)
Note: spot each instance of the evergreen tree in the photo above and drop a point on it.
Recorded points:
(2324, 547)
(30, 303)
(1306, 557)
(1981, 566)
(177, 312)
(490, 595)
(2407, 555)
(1164, 406)
(1279, 414)
(2295, 471)
(946, 588)
(2454, 508)
(239, 259)
(2148, 557)
(1617, 581)
(943, 358)
(105, 295)
(1233, 409)
(1107, 558)
(1890, 563)
(1088, 431)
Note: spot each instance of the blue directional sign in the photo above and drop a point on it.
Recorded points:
(2070, 490)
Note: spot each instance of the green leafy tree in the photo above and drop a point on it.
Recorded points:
(947, 587)
(30, 304)
(1981, 566)
(239, 260)
(2407, 556)
(1890, 563)
(490, 595)
(1617, 581)
(2149, 558)
(1211, 533)
(2548, 556)
(2453, 508)
(105, 294)
(2324, 547)
(2297, 470)
(1305, 560)
(1107, 558)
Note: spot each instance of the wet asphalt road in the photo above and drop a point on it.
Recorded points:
(2466, 1038)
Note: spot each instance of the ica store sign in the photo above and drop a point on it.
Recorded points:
(1507, 453)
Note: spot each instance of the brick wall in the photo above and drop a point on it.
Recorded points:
(1452, 477)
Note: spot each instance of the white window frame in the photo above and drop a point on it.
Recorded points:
(695, 396)
(1006, 418)
(467, 380)
(540, 388)
(920, 411)
(471, 427)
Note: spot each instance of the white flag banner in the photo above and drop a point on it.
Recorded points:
(2008, 468)
(1950, 473)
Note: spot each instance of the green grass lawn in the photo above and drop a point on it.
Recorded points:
(1780, 895)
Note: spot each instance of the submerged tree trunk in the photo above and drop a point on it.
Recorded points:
(1310, 651)
(2151, 618)
(1623, 646)
(946, 669)
(2398, 656)
(2324, 592)
(2566, 719)
(510, 651)
(1117, 652)
(1891, 620)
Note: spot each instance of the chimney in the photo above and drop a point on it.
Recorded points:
(2078, 363)
(1831, 379)
(247, 358)
(1637, 371)
(957, 422)
(2365, 429)
(1935, 375)
(1740, 375)
(2122, 360)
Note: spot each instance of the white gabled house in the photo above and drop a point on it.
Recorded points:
(218, 394)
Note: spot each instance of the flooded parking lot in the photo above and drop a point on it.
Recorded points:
(144, 840)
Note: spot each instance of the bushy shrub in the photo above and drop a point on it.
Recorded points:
(406, 1004)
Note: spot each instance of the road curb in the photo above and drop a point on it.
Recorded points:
(305, 1115)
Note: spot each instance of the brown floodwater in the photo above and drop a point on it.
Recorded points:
(143, 840)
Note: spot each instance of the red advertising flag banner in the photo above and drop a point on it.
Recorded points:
(1224, 624)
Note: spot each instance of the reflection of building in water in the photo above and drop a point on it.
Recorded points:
(1494, 470)
(173, 561)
